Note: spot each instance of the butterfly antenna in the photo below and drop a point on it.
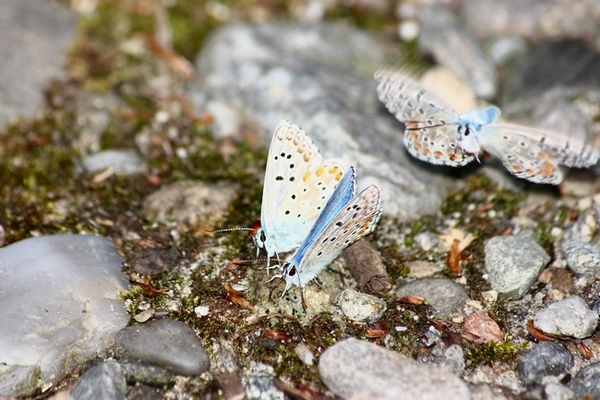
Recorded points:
(227, 230)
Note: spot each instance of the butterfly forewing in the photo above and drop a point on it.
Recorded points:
(298, 184)
(357, 219)
(430, 124)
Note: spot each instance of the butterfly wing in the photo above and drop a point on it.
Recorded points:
(431, 125)
(354, 220)
(523, 156)
(297, 185)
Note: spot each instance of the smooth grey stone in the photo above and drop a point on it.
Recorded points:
(360, 307)
(443, 294)
(33, 46)
(167, 343)
(532, 19)
(444, 36)
(568, 317)
(582, 258)
(123, 162)
(59, 307)
(587, 382)
(361, 370)
(543, 359)
(320, 77)
(562, 69)
(513, 263)
(260, 387)
(104, 381)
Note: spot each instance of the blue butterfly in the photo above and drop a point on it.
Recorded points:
(344, 220)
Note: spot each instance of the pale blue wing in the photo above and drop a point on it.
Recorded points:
(430, 124)
(535, 154)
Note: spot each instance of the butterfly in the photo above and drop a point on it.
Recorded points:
(344, 220)
(298, 183)
(439, 135)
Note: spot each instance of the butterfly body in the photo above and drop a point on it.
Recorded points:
(298, 184)
(439, 135)
(345, 219)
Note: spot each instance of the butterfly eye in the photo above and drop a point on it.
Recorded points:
(292, 271)
(263, 237)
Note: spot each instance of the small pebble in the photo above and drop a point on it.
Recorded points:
(582, 258)
(569, 317)
(260, 387)
(169, 344)
(360, 307)
(122, 162)
(103, 381)
(587, 382)
(543, 359)
(513, 263)
(443, 294)
(481, 328)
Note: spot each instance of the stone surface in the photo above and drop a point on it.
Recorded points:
(532, 19)
(59, 307)
(443, 294)
(582, 258)
(360, 306)
(513, 263)
(356, 369)
(543, 359)
(569, 317)
(587, 382)
(321, 78)
(445, 36)
(123, 162)
(103, 381)
(192, 205)
(169, 344)
(260, 387)
(33, 46)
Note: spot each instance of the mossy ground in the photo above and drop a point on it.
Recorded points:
(40, 194)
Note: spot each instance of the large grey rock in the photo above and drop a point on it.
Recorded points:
(361, 370)
(59, 307)
(513, 263)
(320, 77)
(33, 45)
(587, 382)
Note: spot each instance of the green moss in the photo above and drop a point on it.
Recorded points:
(490, 353)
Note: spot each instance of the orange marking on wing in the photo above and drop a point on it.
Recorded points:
(418, 146)
(320, 171)
(338, 176)
(517, 168)
(413, 136)
(426, 151)
(529, 171)
(306, 176)
(437, 154)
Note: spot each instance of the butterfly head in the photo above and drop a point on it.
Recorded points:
(259, 236)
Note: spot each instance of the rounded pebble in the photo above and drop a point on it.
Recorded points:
(360, 306)
(543, 359)
(169, 344)
(582, 258)
(103, 381)
(59, 303)
(360, 370)
(587, 382)
(443, 294)
(260, 387)
(513, 263)
(569, 317)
